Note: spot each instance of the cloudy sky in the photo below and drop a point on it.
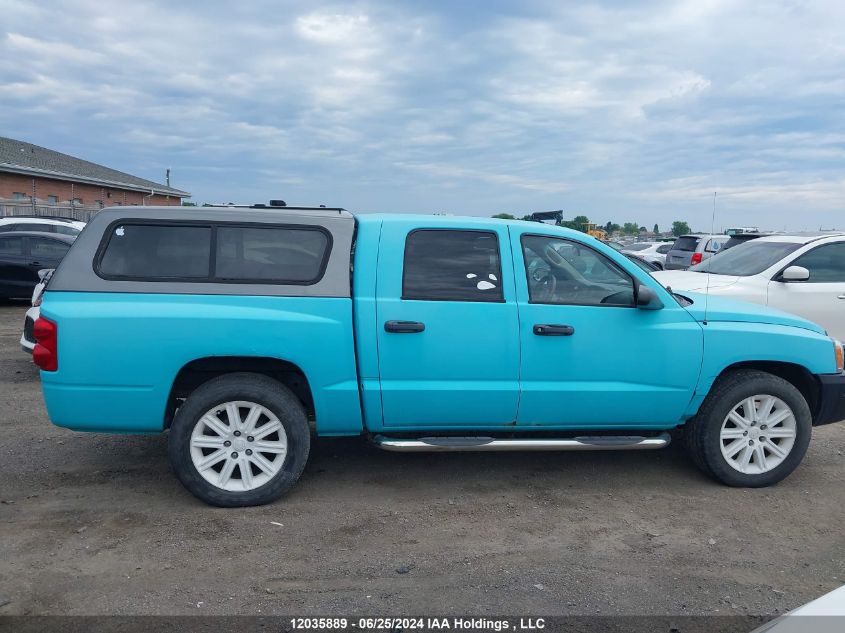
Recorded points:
(621, 111)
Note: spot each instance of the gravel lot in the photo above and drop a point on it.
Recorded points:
(97, 524)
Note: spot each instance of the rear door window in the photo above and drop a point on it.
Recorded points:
(447, 265)
(152, 251)
(275, 254)
(687, 243)
(714, 245)
(47, 249)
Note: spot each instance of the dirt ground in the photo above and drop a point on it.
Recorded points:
(97, 524)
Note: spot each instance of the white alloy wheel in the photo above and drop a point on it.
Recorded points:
(758, 434)
(238, 446)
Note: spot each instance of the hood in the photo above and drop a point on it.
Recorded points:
(686, 280)
(721, 309)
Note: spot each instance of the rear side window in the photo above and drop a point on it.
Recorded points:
(686, 243)
(46, 248)
(664, 249)
(173, 252)
(446, 265)
(289, 255)
(149, 251)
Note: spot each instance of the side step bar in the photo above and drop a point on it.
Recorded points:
(580, 443)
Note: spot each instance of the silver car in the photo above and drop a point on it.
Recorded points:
(689, 250)
(652, 252)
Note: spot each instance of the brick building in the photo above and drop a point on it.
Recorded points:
(36, 180)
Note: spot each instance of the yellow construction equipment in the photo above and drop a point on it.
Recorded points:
(592, 229)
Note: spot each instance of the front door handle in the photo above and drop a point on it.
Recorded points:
(841, 297)
(553, 330)
(404, 327)
(34, 263)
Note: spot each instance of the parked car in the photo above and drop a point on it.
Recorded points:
(238, 327)
(63, 226)
(654, 252)
(23, 254)
(27, 335)
(803, 274)
(689, 250)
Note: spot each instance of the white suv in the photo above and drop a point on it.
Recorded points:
(803, 274)
(64, 226)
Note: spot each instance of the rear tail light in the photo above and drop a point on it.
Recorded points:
(46, 354)
(696, 259)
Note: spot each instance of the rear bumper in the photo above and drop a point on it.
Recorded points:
(831, 399)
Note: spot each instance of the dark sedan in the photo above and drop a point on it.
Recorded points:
(23, 254)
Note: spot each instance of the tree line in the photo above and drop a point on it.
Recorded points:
(582, 223)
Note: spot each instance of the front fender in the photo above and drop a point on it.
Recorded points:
(730, 343)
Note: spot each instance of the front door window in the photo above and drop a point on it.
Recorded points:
(563, 272)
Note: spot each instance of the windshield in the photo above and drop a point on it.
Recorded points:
(638, 246)
(746, 259)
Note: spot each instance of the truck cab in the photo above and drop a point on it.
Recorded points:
(244, 331)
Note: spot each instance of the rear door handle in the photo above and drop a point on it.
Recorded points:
(553, 330)
(404, 327)
(841, 297)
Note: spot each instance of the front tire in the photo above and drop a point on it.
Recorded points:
(239, 440)
(752, 430)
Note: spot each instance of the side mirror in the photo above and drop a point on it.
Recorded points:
(647, 299)
(795, 273)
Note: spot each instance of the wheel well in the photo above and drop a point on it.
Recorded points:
(797, 375)
(202, 370)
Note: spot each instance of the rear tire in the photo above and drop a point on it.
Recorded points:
(239, 440)
(752, 430)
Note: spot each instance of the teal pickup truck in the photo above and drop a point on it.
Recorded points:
(246, 330)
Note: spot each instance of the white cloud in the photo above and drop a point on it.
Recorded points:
(339, 29)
